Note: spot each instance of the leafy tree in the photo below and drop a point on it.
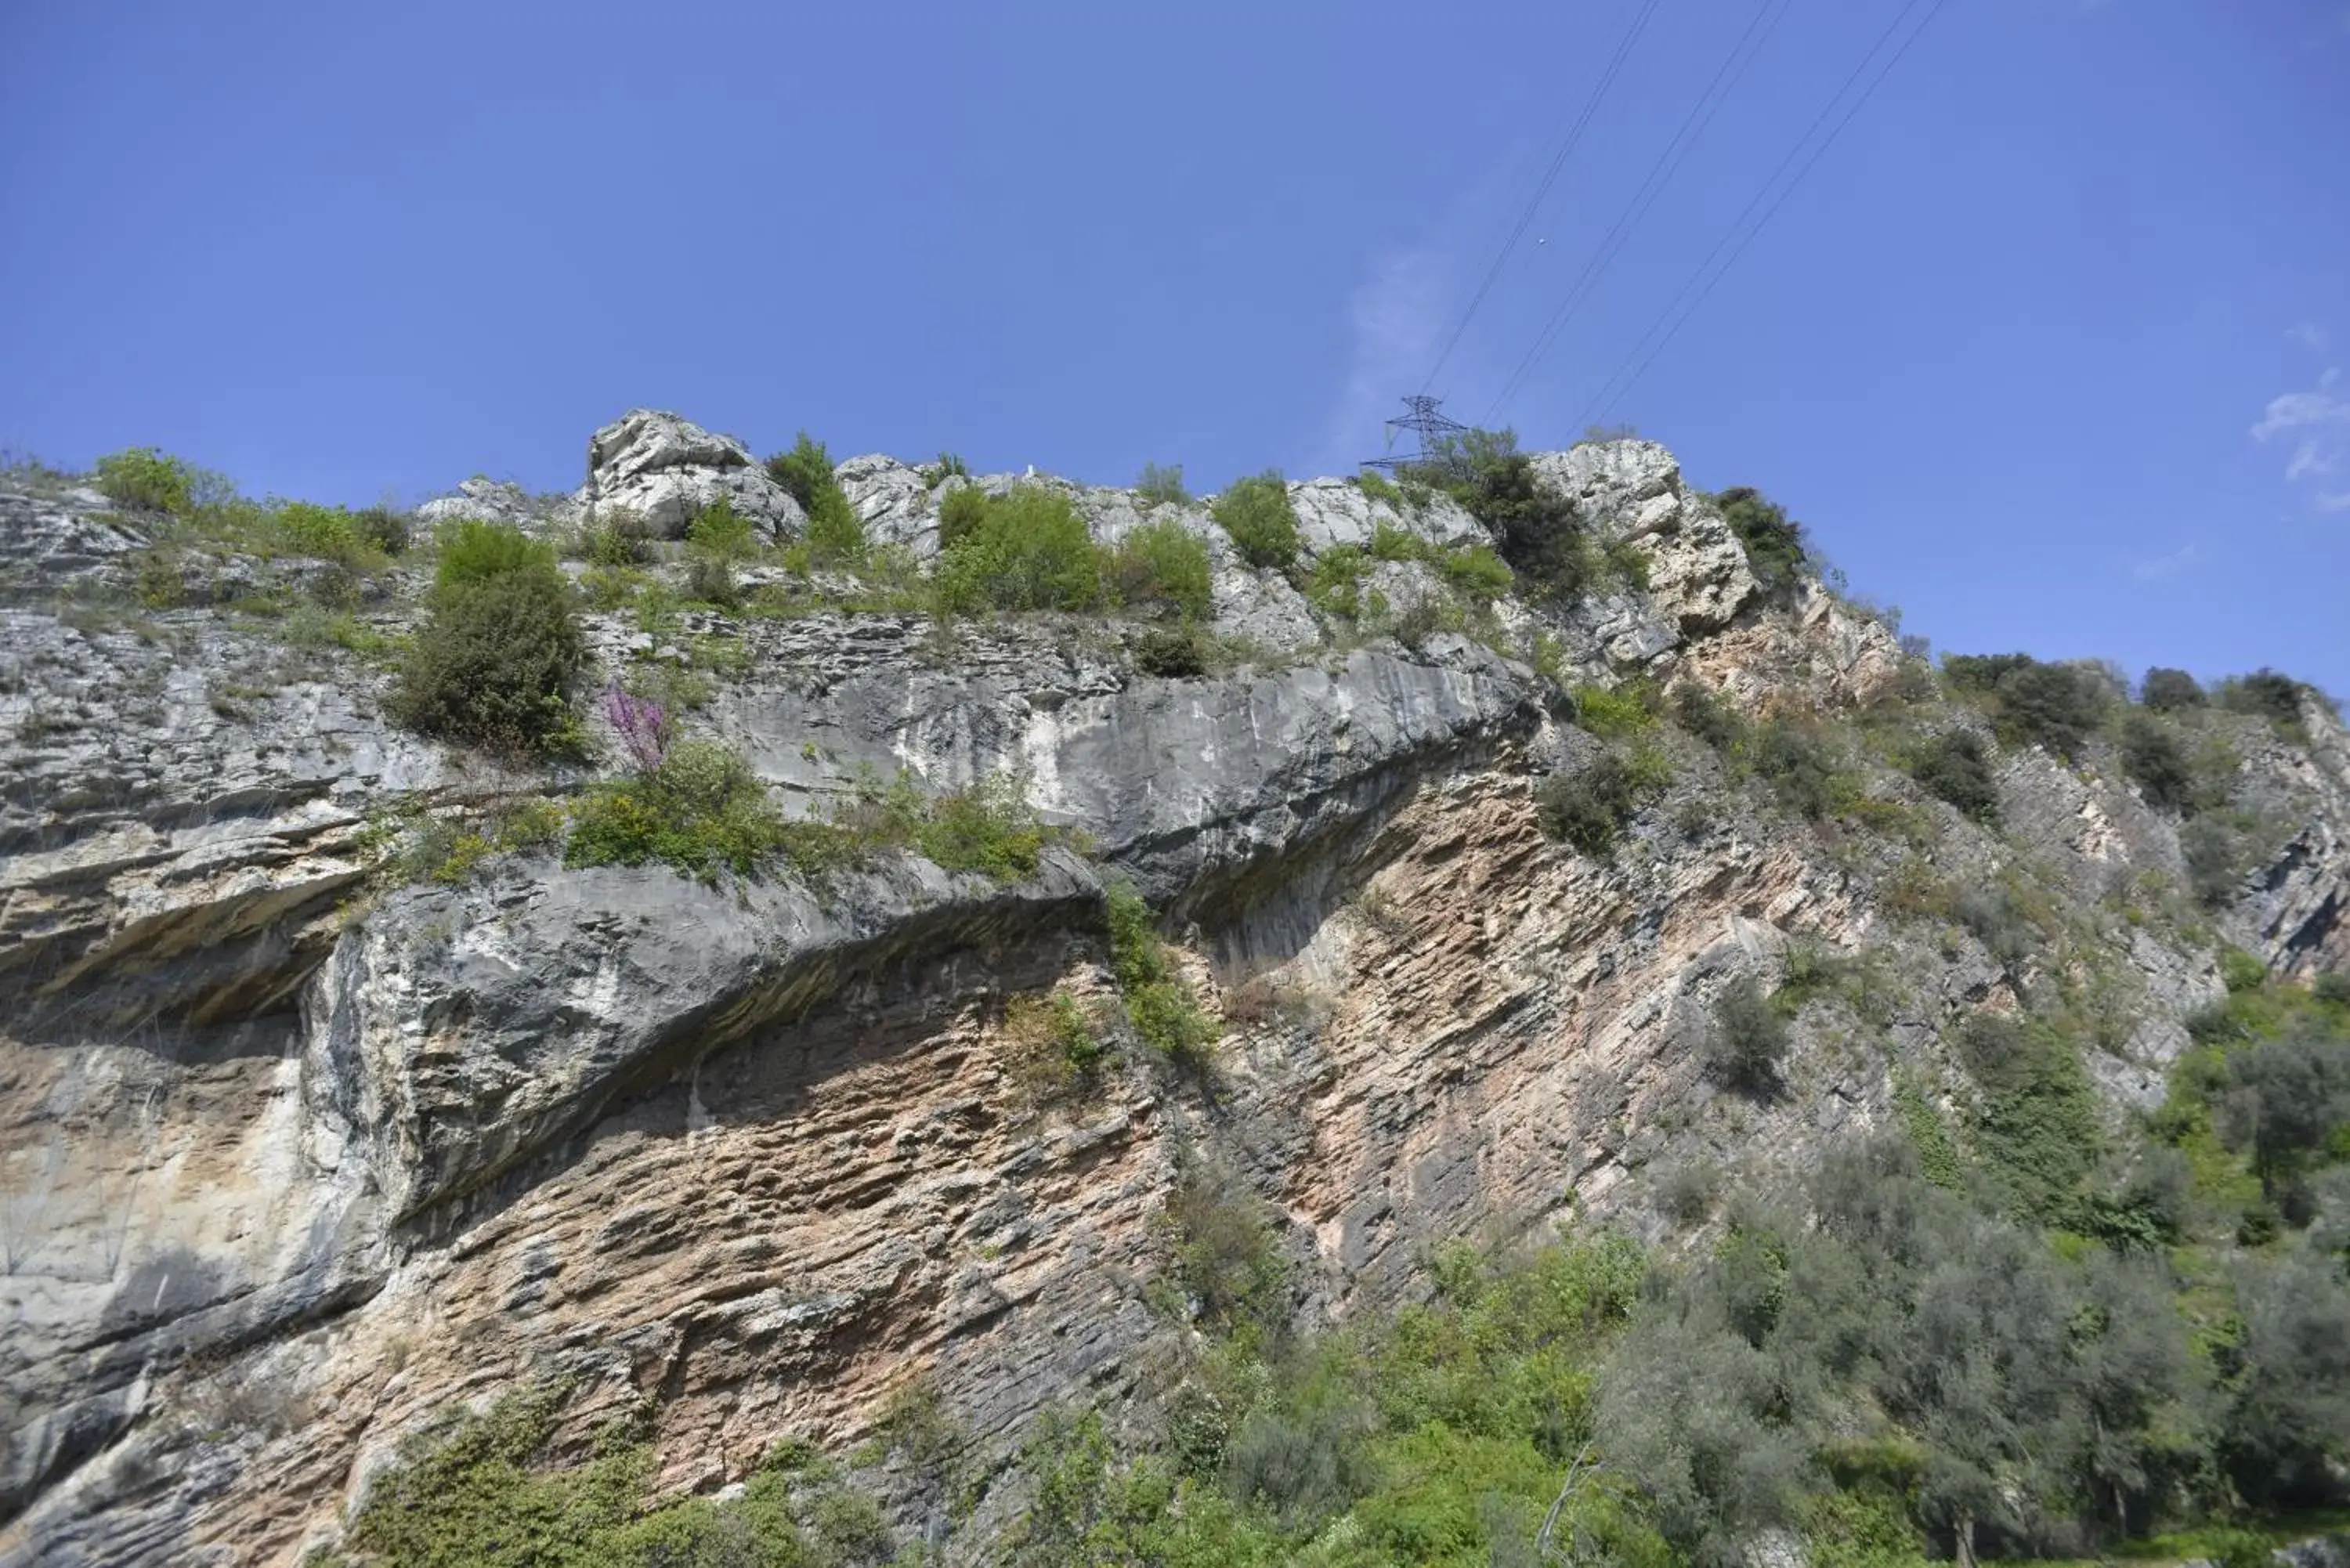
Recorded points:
(146, 480)
(2169, 690)
(2056, 705)
(2291, 1094)
(1955, 766)
(2289, 1419)
(2264, 694)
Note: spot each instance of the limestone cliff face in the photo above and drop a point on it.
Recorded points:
(294, 1159)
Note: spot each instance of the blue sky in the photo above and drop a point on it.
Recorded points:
(2049, 347)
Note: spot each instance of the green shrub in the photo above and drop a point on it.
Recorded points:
(1586, 808)
(146, 480)
(1164, 564)
(1162, 486)
(719, 530)
(2155, 761)
(1774, 541)
(1802, 768)
(1475, 572)
(1335, 586)
(1158, 1002)
(710, 580)
(835, 534)
(381, 529)
(1955, 766)
(1171, 653)
(2167, 691)
(1262, 524)
(474, 552)
(1708, 715)
(985, 828)
(2264, 694)
(1747, 1041)
(1380, 487)
(500, 650)
(1027, 550)
(1390, 542)
(326, 533)
(1226, 1252)
(2037, 1129)
(949, 465)
(2055, 705)
(1541, 535)
(1616, 711)
(1050, 1045)
(701, 811)
(960, 515)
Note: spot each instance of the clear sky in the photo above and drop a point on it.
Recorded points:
(2045, 348)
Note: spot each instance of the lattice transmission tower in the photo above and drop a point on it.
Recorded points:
(1423, 418)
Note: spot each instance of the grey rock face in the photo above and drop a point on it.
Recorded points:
(664, 470)
(484, 500)
(893, 500)
(1697, 575)
(457, 1033)
(1333, 511)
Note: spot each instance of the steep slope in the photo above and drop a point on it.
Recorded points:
(301, 1154)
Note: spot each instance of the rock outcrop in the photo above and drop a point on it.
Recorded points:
(664, 472)
(298, 1159)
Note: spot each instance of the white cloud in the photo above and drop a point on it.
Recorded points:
(2309, 457)
(2309, 334)
(2153, 569)
(2318, 423)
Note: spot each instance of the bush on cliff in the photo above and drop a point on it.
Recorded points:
(500, 650)
(1257, 514)
(835, 534)
(1026, 549)
(2056, 705)
(1774, 541)
(1165, 565)
(1540, 533)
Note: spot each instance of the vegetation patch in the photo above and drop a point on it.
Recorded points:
(1774, 544)
(2058, 706)
(500, 651)
(1159, 1001)
(1024, 550)
(835, 534)
(1256, 513)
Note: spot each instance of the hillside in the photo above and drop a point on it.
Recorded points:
(853, 1013)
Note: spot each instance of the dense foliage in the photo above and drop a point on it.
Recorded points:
(1774, 541)
(500, 648)
(1542, 536)
(1256, 513)
(1026, 549)
(2055, 705)
(835, 534)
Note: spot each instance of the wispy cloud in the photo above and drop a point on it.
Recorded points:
(1395, 318)
(2153, 569)
(2309, 334)
(2316, 424)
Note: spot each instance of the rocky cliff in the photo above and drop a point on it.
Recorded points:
(300, 1152)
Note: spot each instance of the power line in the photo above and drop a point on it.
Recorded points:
(1726, 77)
(1550, 177)
(1613, 389)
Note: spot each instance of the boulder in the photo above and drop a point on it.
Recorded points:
(484, 500)
(665, 471)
